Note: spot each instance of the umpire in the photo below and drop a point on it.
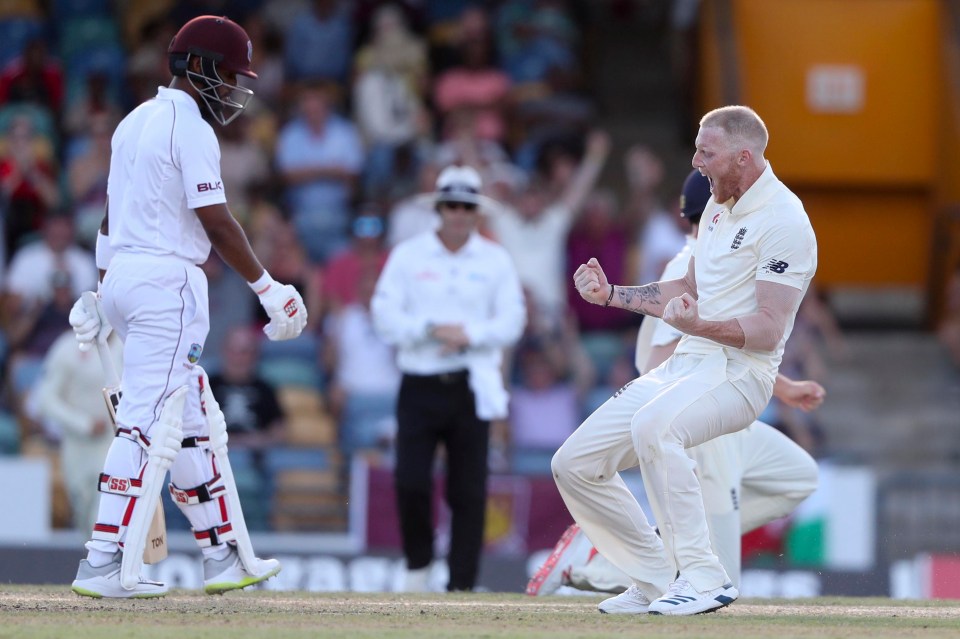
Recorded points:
(450, 301)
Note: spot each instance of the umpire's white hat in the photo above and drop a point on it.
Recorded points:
(459, 184)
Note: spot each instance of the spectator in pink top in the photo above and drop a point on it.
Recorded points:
(476, 90)
(365, 257)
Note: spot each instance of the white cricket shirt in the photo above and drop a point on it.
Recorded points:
(425, 284)
(165, 162)
(766, 235)
(654, 331)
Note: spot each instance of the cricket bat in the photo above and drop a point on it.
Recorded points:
(155, 550)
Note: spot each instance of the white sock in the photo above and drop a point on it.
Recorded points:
(216, 552)
(98, 558)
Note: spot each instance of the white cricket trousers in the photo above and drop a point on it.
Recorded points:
(159, 308)
(748, 478)
(686, 401)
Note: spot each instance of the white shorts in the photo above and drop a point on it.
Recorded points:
(159, 308)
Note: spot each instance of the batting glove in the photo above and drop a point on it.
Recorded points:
(88, 323)
(284, 307)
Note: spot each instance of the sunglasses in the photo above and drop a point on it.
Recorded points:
(466, 206)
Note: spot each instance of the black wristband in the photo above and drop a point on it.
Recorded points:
(610, 297)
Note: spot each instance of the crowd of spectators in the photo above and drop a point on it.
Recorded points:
(358, 106)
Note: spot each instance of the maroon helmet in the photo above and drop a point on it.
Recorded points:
(222, 46)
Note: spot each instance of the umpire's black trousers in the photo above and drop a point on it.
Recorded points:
(436, 409)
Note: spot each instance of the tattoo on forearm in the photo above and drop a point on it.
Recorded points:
(635, 298)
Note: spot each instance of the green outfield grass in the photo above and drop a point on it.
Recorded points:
(32, 612)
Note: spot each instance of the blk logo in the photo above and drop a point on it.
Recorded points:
(209, 186)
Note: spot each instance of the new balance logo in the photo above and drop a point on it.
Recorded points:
(775, 266)
(623, 388)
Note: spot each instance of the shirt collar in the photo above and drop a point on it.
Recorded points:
(470, 248)
(179, 96)
(758, 193)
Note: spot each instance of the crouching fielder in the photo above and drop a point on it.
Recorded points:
(166, 208)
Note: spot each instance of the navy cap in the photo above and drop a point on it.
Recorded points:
(694, 197)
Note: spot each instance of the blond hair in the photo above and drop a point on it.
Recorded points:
(741, 124)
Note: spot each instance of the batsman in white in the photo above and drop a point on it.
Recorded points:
(748, 478)
(736, 306)
(165, 209)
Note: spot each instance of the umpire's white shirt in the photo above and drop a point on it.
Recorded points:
(765, 236)
(165, 162)
(424, 284)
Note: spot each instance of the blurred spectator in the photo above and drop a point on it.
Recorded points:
(319, 43)
(34, 77)
(30, 276)
(254, 417)
(544, 408)
(949, 328)
(68, 397)
(474, 94)
(243, 162)
(87, 175)
(364, 403)
(535, 233)
(230, 307)
(319, 157)
(267, 60)
(28, 180)
(32, 331)
(660, 235)
(365, 256)
(96, 101)
(599, 234)
(147, 63)
(391, 73)
(414, 214)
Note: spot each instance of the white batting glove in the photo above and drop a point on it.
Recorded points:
(284, 307)
(88, 324)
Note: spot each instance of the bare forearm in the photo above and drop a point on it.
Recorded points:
(231, 244)
(648, 299)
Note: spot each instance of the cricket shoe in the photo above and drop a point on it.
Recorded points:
(682, 598)
(222, 575)
(629, 602)
(104, 581)
(573, 548)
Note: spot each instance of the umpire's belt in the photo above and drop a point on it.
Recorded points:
(448, 378)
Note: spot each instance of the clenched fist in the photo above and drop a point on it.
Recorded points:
(591, 282)
(682, 313)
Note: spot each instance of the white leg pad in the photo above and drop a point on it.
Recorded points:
(164, 445)
(218, 441)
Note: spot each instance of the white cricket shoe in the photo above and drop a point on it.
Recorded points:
(222, 575)
(682, 598)
(104, 581)
(572, 549)
(629, 602)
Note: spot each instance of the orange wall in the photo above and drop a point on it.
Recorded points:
(868, 177)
